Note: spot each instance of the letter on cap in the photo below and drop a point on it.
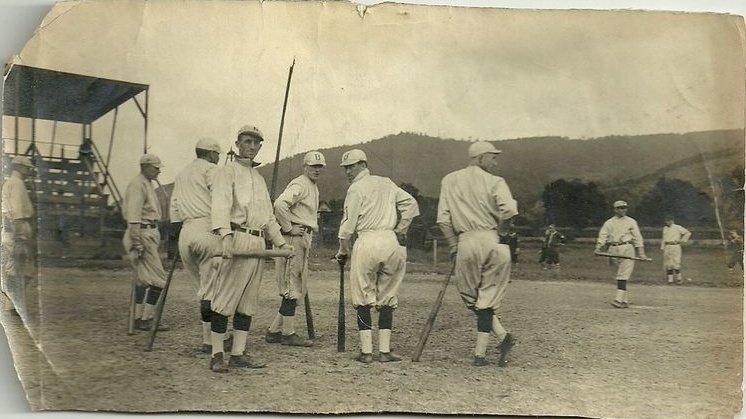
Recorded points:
(352, 157)
(314, 158)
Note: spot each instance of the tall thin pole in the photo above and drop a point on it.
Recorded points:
(145, 136)
(279, 139)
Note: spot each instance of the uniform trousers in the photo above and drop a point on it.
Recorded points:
(238, 279)
(292, 282)
(482, 269)
(148, 267)
(377, 269)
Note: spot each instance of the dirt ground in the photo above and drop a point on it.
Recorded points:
(676, 353)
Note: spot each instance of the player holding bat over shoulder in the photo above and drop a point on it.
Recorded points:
(474, 206)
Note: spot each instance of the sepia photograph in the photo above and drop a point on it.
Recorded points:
(326, 207)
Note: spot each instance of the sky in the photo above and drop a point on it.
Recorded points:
(450, 72)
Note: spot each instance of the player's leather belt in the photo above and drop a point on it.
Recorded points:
(620, 243)
(236, 227)
(304, 228)
(148, 225)
(670, 243)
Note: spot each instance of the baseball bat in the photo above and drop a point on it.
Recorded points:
(160, 304)
(609, 255)
(341, 329)
(431, 318)
(261, 253)
(309, 317)
(131, 320)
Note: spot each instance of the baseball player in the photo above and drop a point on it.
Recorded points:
(673, 237)
(242, 217)
(735, 250)
(142, 210)
(621, 236)
(474, 207)
(550, 248)
(17, 237)
(379, 256)
(296, 210)
(190, 208)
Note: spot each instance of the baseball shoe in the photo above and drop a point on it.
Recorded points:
(505, 347)
(619, 304)
(146, 325)
(295, 340)
(364, 358)
(273, 337)
(480, 361)
(217, 364)
(388, 357)
(244, 361)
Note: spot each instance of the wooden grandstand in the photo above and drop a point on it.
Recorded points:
(72, 189)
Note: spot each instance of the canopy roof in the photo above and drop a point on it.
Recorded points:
(31, 92)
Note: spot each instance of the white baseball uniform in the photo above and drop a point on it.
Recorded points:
(241, 203)
(474, 203)
(141, 209)
(298, 204)
(622, 236)
(671, 240)
(17, 213)
(190, 204)
(378, 262)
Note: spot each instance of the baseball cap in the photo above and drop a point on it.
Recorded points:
(352, 157)
(620, 204)
(208, 144)
(151, 159)
(22, 161)
(250, 130)
(314, 158)
(482, 147)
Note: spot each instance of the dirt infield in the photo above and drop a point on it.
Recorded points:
(677, 352)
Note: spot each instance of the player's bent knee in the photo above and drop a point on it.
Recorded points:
(484, 319)
(287, 307)
(241, 322)
(219, 323)
(205, 310)
(363, 318)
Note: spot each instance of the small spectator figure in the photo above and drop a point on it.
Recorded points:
(511, 239)
(735, 250)
(553, 239)
(85, 152)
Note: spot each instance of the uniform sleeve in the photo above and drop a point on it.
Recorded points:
(289, 197)
(173, 207)
(407, 207)
(222, 199)
(507, 206)
(11, 207)
(133, 202)
(685, 234)
(637, 236)
(603, 235)
(444, 205)
(351, 214)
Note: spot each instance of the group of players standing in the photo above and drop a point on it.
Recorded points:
(227, 209)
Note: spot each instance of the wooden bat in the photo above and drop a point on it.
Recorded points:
(431, 318)
(261, 253)
(160, 304)
(131, 320)
(309, 317)
(341, 329)
(609, 255)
